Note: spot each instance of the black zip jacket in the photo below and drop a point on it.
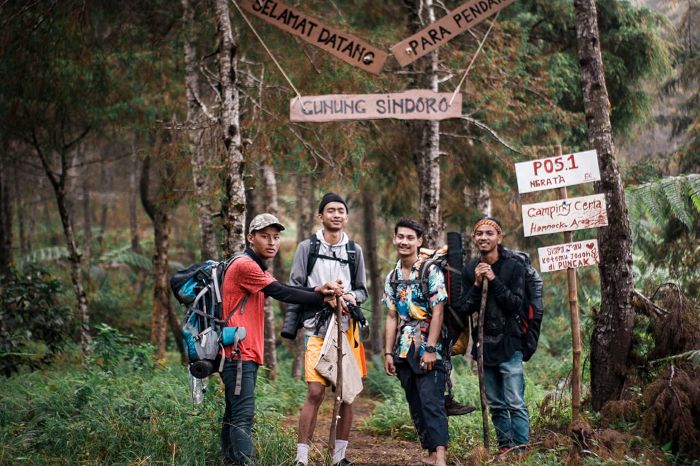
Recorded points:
(504, 306)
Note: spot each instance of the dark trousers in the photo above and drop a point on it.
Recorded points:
(425, 394)
(236, 430)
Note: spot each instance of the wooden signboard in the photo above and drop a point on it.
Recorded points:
(348, 48)
(569, 255)
(410, 105)
(445, 29)
(576, 213)
(556, 172)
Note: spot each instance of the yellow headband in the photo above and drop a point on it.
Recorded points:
(486, 221)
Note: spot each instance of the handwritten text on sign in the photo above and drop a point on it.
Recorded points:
(569, 256)
(344, 46)
(555, 172)
(576, 213)
(445, 29)
(409, 105)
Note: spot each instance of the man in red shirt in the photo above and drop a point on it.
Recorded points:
(246, 284)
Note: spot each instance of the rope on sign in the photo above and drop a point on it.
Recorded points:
(245, 18)
(483, 41)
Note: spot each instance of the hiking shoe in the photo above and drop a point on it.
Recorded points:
(344, 462)
(455, 408)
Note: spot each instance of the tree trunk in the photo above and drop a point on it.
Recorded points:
(32, 214)
(21, 208)
(270, 183)
(58, 182)
(87, 212)
(161, 237)
(612, 336)
(195, 133)
(106, 184)
(305, 221)
(475, 200)
(369, 212)
(5, 214)
(233, 208)
(161, 298)
(427, 133)
(133, 192)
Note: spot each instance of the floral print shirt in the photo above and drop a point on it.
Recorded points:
(405, 296)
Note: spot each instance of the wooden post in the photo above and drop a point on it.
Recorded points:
(338, 380)
(575, 327)
(480, 361)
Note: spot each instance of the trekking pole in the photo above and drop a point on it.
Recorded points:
(338, 380)
(480, 361)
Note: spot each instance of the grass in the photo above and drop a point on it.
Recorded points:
(118, 412)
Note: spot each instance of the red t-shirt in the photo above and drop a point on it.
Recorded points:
(245, 277)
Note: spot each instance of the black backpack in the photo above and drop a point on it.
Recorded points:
(449, 260)
(204, 333)
(531, 319)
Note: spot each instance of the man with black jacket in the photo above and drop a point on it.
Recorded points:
(502, 345)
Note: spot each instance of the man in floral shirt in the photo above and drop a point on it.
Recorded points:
(413, 345)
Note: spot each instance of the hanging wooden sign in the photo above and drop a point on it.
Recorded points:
(348, 48)
(556, 172)
(445, 29)
(569, 255)
(576, 213)
(410, 105)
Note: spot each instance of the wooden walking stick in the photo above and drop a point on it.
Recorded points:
(338, 380)
(480, 361)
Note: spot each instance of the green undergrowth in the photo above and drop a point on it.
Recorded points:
(124, 411)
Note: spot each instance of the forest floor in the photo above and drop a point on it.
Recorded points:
(364, 449)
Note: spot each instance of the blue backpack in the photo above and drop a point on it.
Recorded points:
(204, 333)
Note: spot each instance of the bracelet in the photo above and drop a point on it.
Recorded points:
(389, 354)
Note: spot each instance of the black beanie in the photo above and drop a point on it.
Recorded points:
(330, 197)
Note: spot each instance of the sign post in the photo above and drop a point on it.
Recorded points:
(565, 215)
(575, 327)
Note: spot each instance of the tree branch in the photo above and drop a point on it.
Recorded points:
(492, 132)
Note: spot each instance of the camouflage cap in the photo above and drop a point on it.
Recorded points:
(263, 221)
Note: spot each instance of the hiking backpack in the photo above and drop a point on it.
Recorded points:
(449, 260)
(315, 247)
(531, 320)
(293, 321)
(204, 333)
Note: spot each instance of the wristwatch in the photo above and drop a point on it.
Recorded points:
(430, 349)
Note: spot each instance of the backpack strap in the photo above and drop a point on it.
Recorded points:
(314, 247)
(352, 262)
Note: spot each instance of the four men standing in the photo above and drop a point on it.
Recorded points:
(330, 264)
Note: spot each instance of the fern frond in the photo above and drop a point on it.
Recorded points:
(50, 254)
(124, 255)
(666, 196)
(651, 205)
(693, 182)
(672, 189)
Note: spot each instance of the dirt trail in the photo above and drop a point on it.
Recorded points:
(364, 448)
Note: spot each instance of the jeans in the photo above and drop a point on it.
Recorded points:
(236, 430)
(426, 401)
(505, 392)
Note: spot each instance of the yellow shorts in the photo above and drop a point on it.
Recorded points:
(313, 353)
